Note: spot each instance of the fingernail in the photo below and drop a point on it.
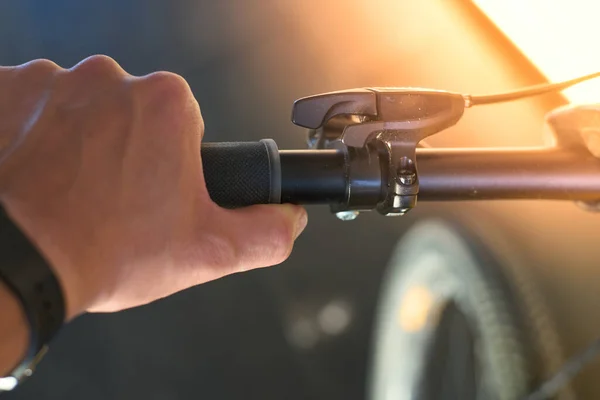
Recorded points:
(301, 223)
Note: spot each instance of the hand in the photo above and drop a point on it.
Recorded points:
(102, 171)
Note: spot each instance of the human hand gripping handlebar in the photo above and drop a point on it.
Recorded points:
(364, 155)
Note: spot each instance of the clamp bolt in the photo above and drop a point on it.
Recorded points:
(347, 215)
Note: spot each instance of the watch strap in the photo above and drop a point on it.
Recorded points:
(27, 274)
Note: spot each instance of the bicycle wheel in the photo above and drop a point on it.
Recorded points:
(451, 323)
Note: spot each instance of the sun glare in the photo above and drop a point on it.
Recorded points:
(559, 37)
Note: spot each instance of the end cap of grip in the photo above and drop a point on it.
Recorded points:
(275, 170)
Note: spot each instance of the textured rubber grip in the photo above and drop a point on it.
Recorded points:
(240, 174)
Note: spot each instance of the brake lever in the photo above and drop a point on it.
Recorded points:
(394, 120)
(425, 111)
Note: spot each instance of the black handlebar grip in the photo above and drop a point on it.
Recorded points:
(240, 174)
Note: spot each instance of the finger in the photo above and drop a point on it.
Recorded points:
(257, 236)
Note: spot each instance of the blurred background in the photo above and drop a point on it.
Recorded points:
(303, 330)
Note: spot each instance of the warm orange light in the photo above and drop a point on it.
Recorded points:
(560, 37)
(415, 309)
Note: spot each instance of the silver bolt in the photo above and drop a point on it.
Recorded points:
(347, 215)
(407, 177)
(400, 213)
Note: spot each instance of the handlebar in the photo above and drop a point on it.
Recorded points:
(246, 173)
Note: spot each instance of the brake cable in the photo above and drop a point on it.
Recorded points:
(526, 92)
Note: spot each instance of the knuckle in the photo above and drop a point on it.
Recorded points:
(40, 67)
(98, 65)
(168, 87)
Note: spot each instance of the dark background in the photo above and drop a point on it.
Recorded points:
(253, 336)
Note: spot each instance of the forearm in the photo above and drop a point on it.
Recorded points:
(13, 331)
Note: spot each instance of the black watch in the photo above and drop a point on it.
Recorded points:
(25, 272)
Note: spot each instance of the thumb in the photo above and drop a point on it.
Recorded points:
(257, 236)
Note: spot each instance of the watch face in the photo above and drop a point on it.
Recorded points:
(449, 325)
(8, 383)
